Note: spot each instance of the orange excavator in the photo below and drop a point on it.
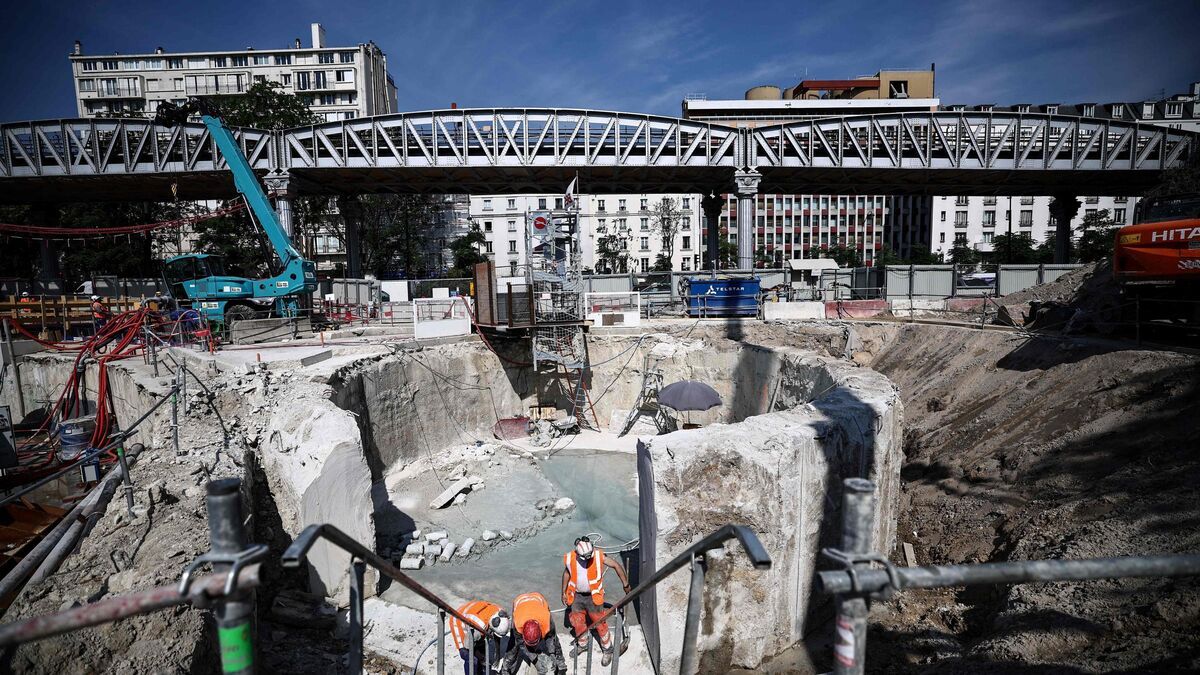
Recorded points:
(1156, 260)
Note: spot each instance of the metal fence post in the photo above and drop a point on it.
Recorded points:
(175, 411)
(126, 479)
(470, 650)
(357, 570)
(850, 649)
(235, 614)
(618, 641)
(183, 388)
(441, 642)
(689, 661)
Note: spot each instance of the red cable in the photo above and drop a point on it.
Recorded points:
(78, 232)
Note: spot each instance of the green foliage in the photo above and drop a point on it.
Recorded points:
(666, 219)
(612, 253)
(886, 256)
(1097, 234)
(962, 254)
(394, 235)
(844, 256)
(921, 255)
(1185, 179)
(466, 252)
(727, 251)
(1014, 249)
(662, 263)
(265, 105)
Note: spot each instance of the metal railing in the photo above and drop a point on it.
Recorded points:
(857, 583)
(297, 552)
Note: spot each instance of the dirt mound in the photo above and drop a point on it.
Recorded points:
(1022, 448)
(1085, 300)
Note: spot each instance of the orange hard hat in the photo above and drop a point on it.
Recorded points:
(531, 632)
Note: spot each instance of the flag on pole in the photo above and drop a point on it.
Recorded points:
(569, 199)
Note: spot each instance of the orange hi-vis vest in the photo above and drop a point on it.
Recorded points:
(479, 611)
(531, 607)
(595, 575)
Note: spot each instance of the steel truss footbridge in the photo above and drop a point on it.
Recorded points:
(538, 150)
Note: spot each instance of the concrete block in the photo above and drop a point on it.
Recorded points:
(436, 536)
(459, 498)
(447, 551)
(316, 358)
(414, 549)
(564, 504)
(412, 562)
(505, 534)
(433, 549)
(773, 311)
(446, 498)
(465, 549)
(488, 535)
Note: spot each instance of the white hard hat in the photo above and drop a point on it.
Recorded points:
(500, 623)
(24, 294)
(584, 547)
(95, 297)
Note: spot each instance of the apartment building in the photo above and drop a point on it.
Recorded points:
(337, 83)
(975, 221)
(627, 218)
(796, 227)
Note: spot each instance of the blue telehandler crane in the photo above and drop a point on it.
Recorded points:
(199, 279)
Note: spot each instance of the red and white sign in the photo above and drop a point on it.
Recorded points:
(540, 222)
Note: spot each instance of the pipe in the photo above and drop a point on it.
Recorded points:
(234, 615)
(689, 663)
(15, 579)
(8, 343)
(120, 607)
(1016, 572)
(94, 504)
(858, 510)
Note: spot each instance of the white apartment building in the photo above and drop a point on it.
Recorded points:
(338, 83)
(629, 216)
(976, 221)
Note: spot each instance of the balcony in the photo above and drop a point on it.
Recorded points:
(116, 92)
(210, 89)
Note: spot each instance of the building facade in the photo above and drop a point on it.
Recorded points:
(622, 223)
(337, 83)
(796, 227)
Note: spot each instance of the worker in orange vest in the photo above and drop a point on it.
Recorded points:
(538, 643)
(583, 593)
(100, 313)
(492, 624)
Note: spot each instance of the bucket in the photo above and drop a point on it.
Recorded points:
(74, 436)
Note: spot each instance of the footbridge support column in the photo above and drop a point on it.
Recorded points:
(352, 214)
(279, 184)
(746, 182)
(712, 205)
(1063, 208)
(46, 215)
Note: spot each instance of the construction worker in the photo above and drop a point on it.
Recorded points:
(498, 626)
(583, 593)
(538, 643)
(100, 313)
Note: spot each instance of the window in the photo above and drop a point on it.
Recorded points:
(620, 204)
(237, 61)
(1026, 218)
(218, 62)
(328, 99)
(1147, 110)
(1174, 109)
(645, 265)
(685, 264)
(319, 80)
(960, 218)
(687, 202)
(487, 205)
(645, 222)
(960, 201)
(644, 243)
(1120, 200)
(1092, 200)
(89, 65)
(601, 226)
(941, 237)
(687, 243)
(325, 57)
(108, 87)
(512, 204)
(303, 80)
(111, 65)
(600, 205)
(943, 216)
(286, 79)
(1089, 110)
(346, 57)
(541, 202)
(487, 247)
(1089, 212)
(987, 237)
(1118, 112)
(1023, 108)
(512, 246)
(898, 89)
(344, 76)
(989, 201)
(258, 79)
(558, 202)
(643, 205)
(512, 226)
(1119, 215)
(1051, 110)
(960, 238)
(283, 59)
(262, 60)
(487, 226)
(989, 218)
(87, 85)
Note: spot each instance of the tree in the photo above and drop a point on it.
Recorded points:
(921, 255)
(394, 235)
(962, 254)
(666, 219)
(1097, 233)
(1180, 180)
(886, 256)
(612, 252)
(844, 256)
(1014, 249)
(726, 251)
(265, 105)
(466, 252)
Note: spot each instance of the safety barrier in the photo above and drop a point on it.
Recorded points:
(857, 583)
(613, 308)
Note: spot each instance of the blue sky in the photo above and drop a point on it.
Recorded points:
(642, 56)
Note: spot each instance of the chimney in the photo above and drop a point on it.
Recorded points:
(318, 36)
(78, 48)
(454, 105)
(297, 43)
(158, 50)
